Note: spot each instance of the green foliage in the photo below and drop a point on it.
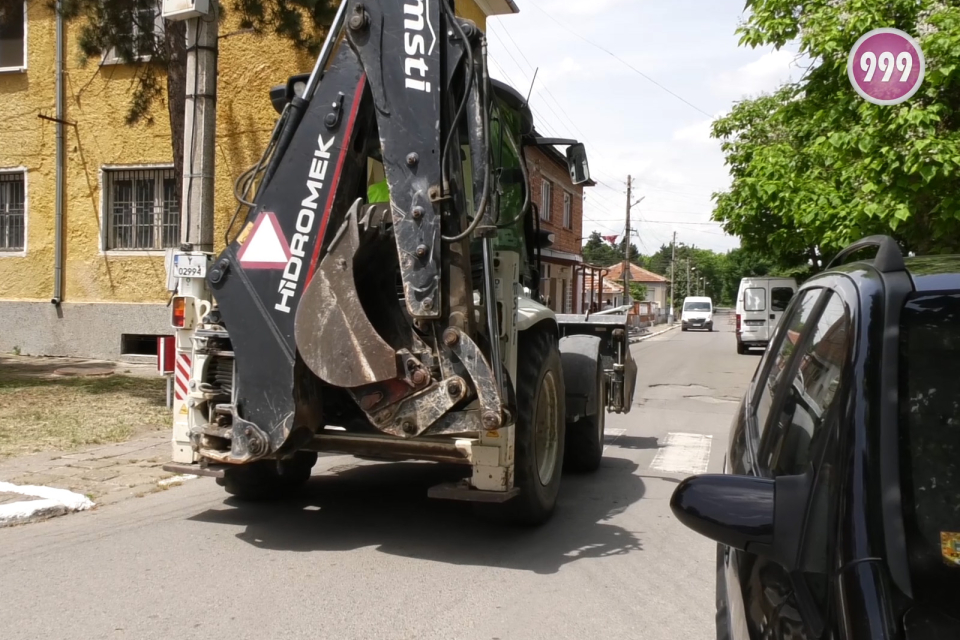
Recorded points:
(816, 167)
(638, 292)
(598, 252)
(303, 22)
(127, 28)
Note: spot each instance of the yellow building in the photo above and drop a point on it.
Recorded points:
(112, 285)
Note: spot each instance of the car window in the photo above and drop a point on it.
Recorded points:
(696, 306)
(802, 437)
(821, 526)
(780, 297)
(795, 432)
(930, 443)
(754, 299)
(774, 362)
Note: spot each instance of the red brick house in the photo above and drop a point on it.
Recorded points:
(560, 205)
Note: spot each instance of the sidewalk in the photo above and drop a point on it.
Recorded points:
(105, 474)
(660, 330)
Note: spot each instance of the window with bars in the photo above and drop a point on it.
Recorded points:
(12, 211)
(567, 211)
(546, 199)
(142, 209)
(13, 32)
(139, 41)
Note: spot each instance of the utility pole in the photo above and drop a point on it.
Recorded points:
(673, 277)
(688, 276)
(200, 131)
(626, 257)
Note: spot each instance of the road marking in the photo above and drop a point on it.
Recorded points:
(168, 482)
(52, 502)
(683, 453)
(610, 436)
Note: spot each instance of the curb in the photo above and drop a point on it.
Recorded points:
(653, 335)
(53, 502)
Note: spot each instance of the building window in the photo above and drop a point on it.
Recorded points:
(142, 209)
(13, 31)
(546, 200)
(12, 211)
(567, 211)
(140, 39)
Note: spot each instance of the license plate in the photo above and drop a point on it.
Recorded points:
(187, 266)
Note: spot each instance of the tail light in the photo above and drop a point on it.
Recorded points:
(180, 312)
(738, 323)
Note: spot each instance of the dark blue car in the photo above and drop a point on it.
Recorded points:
(838, 513)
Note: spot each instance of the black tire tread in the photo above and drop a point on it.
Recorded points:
(537, 350)
(584, 451)
(266, 480)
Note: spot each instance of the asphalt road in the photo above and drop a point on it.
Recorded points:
(363, 554)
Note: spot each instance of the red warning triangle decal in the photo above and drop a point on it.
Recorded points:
(266, 247)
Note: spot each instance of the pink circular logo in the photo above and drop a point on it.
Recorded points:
(886, 66)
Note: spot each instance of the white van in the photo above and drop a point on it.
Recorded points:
(760, 304)
(697, 313)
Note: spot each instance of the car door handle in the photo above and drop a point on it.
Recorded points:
(773, 317)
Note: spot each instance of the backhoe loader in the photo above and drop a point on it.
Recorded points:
(379, 290)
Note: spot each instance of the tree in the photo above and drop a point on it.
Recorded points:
(127, 29)
(659, 262)
(816, 167)
(638, 292)
(598, 252)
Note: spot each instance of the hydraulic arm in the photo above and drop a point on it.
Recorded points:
(382, 314)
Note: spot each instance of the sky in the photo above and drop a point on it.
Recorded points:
(630, 125)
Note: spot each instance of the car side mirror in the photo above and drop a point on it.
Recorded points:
(577, 164)
(761, 516)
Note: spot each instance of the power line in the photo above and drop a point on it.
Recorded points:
(678, 193)
(543, 83)
(565, 119)
(547, 129)
(691, 213)
(622, 61)
(665, 222)
(541, 122)
(507, 50)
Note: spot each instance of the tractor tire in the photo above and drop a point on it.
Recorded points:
(584, 449)
(268, 479)
(540, 432)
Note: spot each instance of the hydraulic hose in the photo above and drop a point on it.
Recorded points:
(482, 207)
(467, 83)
